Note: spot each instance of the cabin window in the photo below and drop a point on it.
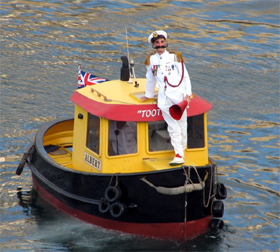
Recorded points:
(93, 133)
(122, 137)
(159, 139)
(196, 132)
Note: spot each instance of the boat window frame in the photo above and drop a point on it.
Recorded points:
(190, 146)
(109, 147)
(201, 117)
(99, 134)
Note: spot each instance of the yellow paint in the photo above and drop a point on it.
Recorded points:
(114, 92)
(75, 133)
(142, 161)
(60, 134)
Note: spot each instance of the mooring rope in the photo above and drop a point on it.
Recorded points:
(210, 189)
(24, 159)
(116, 182)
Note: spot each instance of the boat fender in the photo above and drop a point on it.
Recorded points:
(181, 189)
(113, 193)
(221, 191)
(24, 159)
(176, 190)
(216, 224)
(103, 206)
(217, 208)
(118, 209)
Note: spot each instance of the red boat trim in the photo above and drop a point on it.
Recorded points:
(170, 231)
(140, 113)
(132, 112)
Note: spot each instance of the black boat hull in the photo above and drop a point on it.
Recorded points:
(140, 208)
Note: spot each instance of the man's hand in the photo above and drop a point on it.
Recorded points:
(144, 98)
(188, 99)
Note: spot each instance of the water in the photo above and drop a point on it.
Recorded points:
(231, 50)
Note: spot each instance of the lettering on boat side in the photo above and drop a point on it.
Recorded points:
(92, 161)
(150, 113)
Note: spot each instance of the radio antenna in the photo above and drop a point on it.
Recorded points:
(127, 44)
(130, 70)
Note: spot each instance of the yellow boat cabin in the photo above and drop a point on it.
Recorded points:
(114, 132)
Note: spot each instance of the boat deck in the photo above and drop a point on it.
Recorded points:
(62, 155)
(159, 163)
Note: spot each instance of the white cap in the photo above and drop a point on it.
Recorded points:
(157, 34)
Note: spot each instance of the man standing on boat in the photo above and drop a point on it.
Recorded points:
(167, 70)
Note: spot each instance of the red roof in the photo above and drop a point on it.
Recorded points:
(134, 112)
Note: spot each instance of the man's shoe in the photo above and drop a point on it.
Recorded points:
(177, 160)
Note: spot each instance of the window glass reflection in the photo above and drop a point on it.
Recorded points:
(122, 138)
(93, 133)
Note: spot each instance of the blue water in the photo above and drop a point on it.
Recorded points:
(231, 51)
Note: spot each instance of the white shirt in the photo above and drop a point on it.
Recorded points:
(124, 140)
(167, 65)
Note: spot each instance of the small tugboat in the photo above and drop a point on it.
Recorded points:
(109, 164)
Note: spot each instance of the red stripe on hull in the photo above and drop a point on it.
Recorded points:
(172, 231)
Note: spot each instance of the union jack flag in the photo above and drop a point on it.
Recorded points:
(87, 79)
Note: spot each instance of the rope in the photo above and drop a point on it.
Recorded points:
(24, 159)
(166, 80)
(185, 215)
(210, 189)
(116, 182)
(186, 188)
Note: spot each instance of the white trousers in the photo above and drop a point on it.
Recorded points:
(177, 129)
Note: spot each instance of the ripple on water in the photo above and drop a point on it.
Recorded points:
(231, 52)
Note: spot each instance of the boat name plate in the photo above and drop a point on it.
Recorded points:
(94, 162)
(150, 113)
